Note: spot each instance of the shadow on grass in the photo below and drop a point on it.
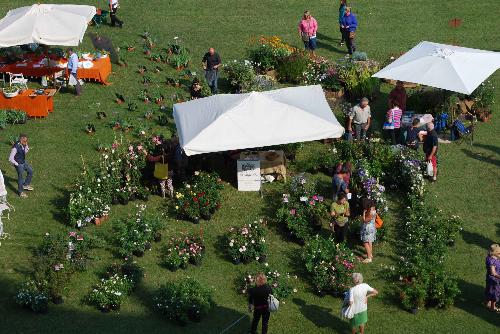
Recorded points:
(59, 203)
(481, 157)
(476, 239)
(494, 149)
(471, 300)
(10, 182)
(321, 316)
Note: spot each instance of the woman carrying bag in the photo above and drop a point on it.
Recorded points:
(308, 26)
(258, 302)
(393, 123)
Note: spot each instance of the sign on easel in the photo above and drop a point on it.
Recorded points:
(248, 175)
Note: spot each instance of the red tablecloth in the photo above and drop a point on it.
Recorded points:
(34, 106)
(99, 72)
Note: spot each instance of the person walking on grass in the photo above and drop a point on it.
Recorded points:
(358, 299)
(258, 303)
(211, 63)
(361, 117)
(368, 232)
(72, 70)
(430, 148)
(308, 26)
(349, 24)
(343, 6)
(17, 158)
(340, 213)
(492, 290)
(113, 8)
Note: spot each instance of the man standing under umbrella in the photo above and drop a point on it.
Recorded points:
(113, 6)
(72, 69)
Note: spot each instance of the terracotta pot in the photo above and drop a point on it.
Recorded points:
(104, 218)
(98, 221)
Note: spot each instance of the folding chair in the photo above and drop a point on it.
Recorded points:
(460, 132)
(17, 79)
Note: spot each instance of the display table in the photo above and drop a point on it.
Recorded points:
(408, 117)
(99, 72)
(271, 162)
(34, 105)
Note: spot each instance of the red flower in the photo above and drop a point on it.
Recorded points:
(195, 199)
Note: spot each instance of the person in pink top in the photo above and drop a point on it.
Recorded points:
(394, 116)
(307, 31)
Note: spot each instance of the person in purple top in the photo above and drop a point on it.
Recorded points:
(349, 24)
(492, 290)
(72, 70)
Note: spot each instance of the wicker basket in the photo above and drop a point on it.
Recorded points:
(10, 94)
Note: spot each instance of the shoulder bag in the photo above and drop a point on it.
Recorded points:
(389, 125)
(161, 169)
(273, 303)
(378, 222)
(305, 34)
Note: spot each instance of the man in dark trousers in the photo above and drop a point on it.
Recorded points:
(431, 147)
(113, 8)
(17, 158)
(211, 63)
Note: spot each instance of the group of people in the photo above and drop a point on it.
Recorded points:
(348, 24)
(356, 298)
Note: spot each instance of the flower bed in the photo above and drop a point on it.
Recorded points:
(246, 243)
(329, 264)
(133, 235)
(279, 282)
(182, 250)
(199, 197)
(302, 209)
(184, 300)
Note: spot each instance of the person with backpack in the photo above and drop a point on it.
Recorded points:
(258, 297)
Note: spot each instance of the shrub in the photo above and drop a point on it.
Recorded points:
(269, 52)
(313, 157)
(184, 300)
(483, 95)
(240, 74)
(133, 234)
(279, 282)
(33, 295)
(330, 265)
(302, 210)
(292, 68)
(110, 292)
(181, 250)
(357, 78)
(200, 196)
(246, 243)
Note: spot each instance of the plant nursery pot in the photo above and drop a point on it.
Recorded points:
(147, 245)
(321, 293)
(206, 216)
(132, 197)
(237, 261)
(414, 310)
(196, 262)
(157, 237)
(123, 201)
(194, 316)
(263, 259)
(114, 201)
(138, 253)
(57, 300)
(196, 220)
(105, 309)
(98, 221)
(246, 260)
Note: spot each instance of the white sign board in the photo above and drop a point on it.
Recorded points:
(248, 175)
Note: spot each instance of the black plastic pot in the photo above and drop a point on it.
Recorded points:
(414, 310)
(263, 259)
(105, 310)
(237, 261)
(196, 220)
(147, 245)
(157, 237)
(206, 216)
(57, 300)
(138, 253)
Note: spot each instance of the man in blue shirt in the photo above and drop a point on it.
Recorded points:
(72, 70)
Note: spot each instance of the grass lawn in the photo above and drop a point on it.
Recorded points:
(468, 183)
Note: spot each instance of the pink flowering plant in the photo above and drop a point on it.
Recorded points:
(329, 264)
(302, 209)
(246, 243)
(182, 250)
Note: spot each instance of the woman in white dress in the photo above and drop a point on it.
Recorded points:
(358, 301)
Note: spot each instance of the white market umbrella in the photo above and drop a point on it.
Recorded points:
(45, 24)
(239, 121)
(449, 67)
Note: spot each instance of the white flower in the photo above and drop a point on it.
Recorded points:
(266, 264)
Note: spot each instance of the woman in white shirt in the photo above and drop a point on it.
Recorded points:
(358, 300)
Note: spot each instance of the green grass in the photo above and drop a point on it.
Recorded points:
(468, 184)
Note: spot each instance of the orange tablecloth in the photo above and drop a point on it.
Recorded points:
(99, 72)
(34, 106)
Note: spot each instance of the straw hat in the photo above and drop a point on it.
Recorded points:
(495, 250)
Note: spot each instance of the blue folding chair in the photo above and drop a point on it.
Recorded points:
(461, 132)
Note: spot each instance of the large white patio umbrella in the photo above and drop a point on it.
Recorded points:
(238, 121)
(449, 67)
(45, 24)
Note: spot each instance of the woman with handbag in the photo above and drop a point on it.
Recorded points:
(258, 297)
(393, 122)
(308, 26)
(349, 25)
(368, 231)
(358, 302)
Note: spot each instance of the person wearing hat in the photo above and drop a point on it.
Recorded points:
(492, 290)
(360, 116)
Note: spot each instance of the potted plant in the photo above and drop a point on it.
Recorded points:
(90, 128)
(101, 114)
(143, 96)
(149, 114)
(10, 92)
(141, 69)
(119, 98)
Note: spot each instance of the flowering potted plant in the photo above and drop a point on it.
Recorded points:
(110, 292)
(181, 250)
(279, 282)
(33, 295)
(246, 243)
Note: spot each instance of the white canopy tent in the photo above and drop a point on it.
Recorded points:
(449, 67)
(45, 24)
(238, 121)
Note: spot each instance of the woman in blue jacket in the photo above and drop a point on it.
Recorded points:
(349, 24)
